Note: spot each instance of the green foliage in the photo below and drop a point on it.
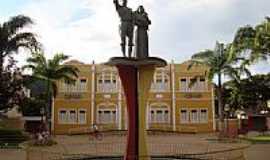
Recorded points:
(254, 42)
(12, 37)
(262, 139)
(250, 93)
(220, 62)
(11, 93)
(51, 70)
(11, 136)
(32, 107)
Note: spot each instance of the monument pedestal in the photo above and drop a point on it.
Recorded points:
(136, 76)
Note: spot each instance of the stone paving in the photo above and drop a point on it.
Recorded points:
(168, 144)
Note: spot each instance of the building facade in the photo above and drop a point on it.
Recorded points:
(98, 98)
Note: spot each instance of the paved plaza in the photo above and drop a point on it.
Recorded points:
(160, 144)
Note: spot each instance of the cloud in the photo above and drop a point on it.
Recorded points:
(88, 29)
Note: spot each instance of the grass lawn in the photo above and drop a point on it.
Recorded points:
(260, 139)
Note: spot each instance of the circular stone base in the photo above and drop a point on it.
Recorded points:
(153, 61)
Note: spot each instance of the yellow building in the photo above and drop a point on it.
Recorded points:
(97, 98)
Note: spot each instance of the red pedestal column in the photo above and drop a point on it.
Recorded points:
(129, 78)
(136, 76)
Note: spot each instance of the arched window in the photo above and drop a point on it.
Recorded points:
(107, 82)
(161, 82)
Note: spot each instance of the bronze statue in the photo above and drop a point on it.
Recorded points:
(127, 26)
(142, 22)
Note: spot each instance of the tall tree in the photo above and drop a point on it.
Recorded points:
(12, 37)
(253, 42)
(51, 70)
(251, 93)
(220, 62)
(11, 86)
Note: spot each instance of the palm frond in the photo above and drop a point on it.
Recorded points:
(203, 55)
(16, 23)
(70, 70)
(26, 40)
(195, 62)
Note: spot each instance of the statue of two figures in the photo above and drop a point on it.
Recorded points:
(129, 20)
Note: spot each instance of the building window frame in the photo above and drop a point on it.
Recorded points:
(113, 115)
(72, 120)
(154, 111)
(62, 119)
(187, 117)
(199, 86)
(194, 117)
(161, 82)
(107, 82)
(205, 119)
(80, 121)
(77, 87)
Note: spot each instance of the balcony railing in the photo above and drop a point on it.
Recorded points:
(160, 87)
(107, 88)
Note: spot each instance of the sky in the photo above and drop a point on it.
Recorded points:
(87, 30)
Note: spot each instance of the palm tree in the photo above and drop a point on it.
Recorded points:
(51, 70)
(219, 62)
(254, 42)
(12, 37)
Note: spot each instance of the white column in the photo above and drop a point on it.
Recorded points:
(126, 119)
(119, 104)
(213, 107)
(93, 70)
(147, 115)
(173, 95)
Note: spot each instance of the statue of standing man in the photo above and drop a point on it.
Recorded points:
(126, 26)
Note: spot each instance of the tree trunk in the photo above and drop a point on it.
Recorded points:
(220, 105)
(47, 105)
(1, 65)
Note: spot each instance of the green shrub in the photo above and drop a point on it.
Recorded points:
(12, 136)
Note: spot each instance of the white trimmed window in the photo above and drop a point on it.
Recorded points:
(184, 85)
(202, 86)
(159, 115)
(82, 116)
(72, 118)
(194, 86)
(194, 116)
(79, 86)
(106, 116)
(198, 84)
(107, 83)
(203, 116)
(184, 116)
(161, 82)
(62, 116)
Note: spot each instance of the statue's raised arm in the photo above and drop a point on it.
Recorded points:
(116, 3)
(126, 28)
